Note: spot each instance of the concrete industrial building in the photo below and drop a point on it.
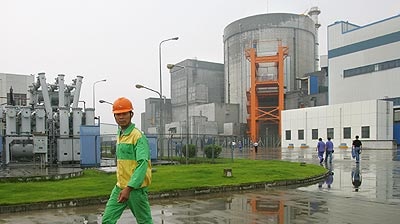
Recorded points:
(208, 112)
(263, 32)
(205, 99)
(364, 100)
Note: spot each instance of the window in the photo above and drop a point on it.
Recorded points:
(347, 133)
(330, 133)
(300, 134)
(314, 133)
(288, 135)
(372, 68)
(365, 132)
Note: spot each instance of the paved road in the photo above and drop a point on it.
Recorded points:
(376, 200)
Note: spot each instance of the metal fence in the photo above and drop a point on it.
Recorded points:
(175, 144)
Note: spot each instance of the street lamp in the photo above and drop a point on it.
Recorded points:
(171, 66)
(139, 86)
(103, 101)
(94, 93)
(160, 130)
(159, 57)
(161, 100)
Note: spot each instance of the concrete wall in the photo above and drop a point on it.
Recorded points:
(232, 129)
(219, 112)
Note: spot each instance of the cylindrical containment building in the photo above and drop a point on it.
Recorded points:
(264, 32)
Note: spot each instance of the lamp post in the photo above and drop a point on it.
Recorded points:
(94, 93)
(139, 86)
(171, 66)
(159, 57)
(161, 132)
(103, 101)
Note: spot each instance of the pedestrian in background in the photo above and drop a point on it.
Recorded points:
(329, 150)
(255, 144)
(240, 146)
(133, 169)
(356, 149)
(233, 145)
(321, 150)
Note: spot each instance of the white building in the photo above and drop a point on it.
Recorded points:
(371, 120)
(364, 61)
(363, 67)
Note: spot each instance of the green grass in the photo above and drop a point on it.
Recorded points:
(172, 177)
(92, 184)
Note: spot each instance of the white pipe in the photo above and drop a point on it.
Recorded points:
(61, 90)
(78, 84)
(45, 93)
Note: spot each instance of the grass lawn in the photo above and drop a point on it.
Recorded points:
(95, 183)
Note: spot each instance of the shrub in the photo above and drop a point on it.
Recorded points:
(209, 151)
(192, 150)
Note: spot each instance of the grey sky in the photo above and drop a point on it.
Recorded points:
(118, 40)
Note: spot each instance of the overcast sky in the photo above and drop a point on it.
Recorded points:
(118, 40)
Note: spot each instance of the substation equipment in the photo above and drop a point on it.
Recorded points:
(52, 129)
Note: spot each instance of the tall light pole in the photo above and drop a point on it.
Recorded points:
(171, 66)
(161, 132)
(139, 86)
(94, 93)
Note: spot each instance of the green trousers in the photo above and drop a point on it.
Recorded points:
(138, 203)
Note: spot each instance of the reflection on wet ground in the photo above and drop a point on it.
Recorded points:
(364, 193)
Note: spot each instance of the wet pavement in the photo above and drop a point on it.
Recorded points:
(368, 193)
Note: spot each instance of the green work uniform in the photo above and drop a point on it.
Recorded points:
(133, 170)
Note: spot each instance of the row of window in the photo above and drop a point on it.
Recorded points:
(372, 68)
(330, 132)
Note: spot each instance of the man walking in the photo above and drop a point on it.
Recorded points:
(133, 169)
(321, 150)
(255, 146)
(329, 150)
(356, 149)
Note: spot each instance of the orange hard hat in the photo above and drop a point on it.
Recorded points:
(122, 105)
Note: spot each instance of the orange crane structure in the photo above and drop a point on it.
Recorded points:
(265, 98)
